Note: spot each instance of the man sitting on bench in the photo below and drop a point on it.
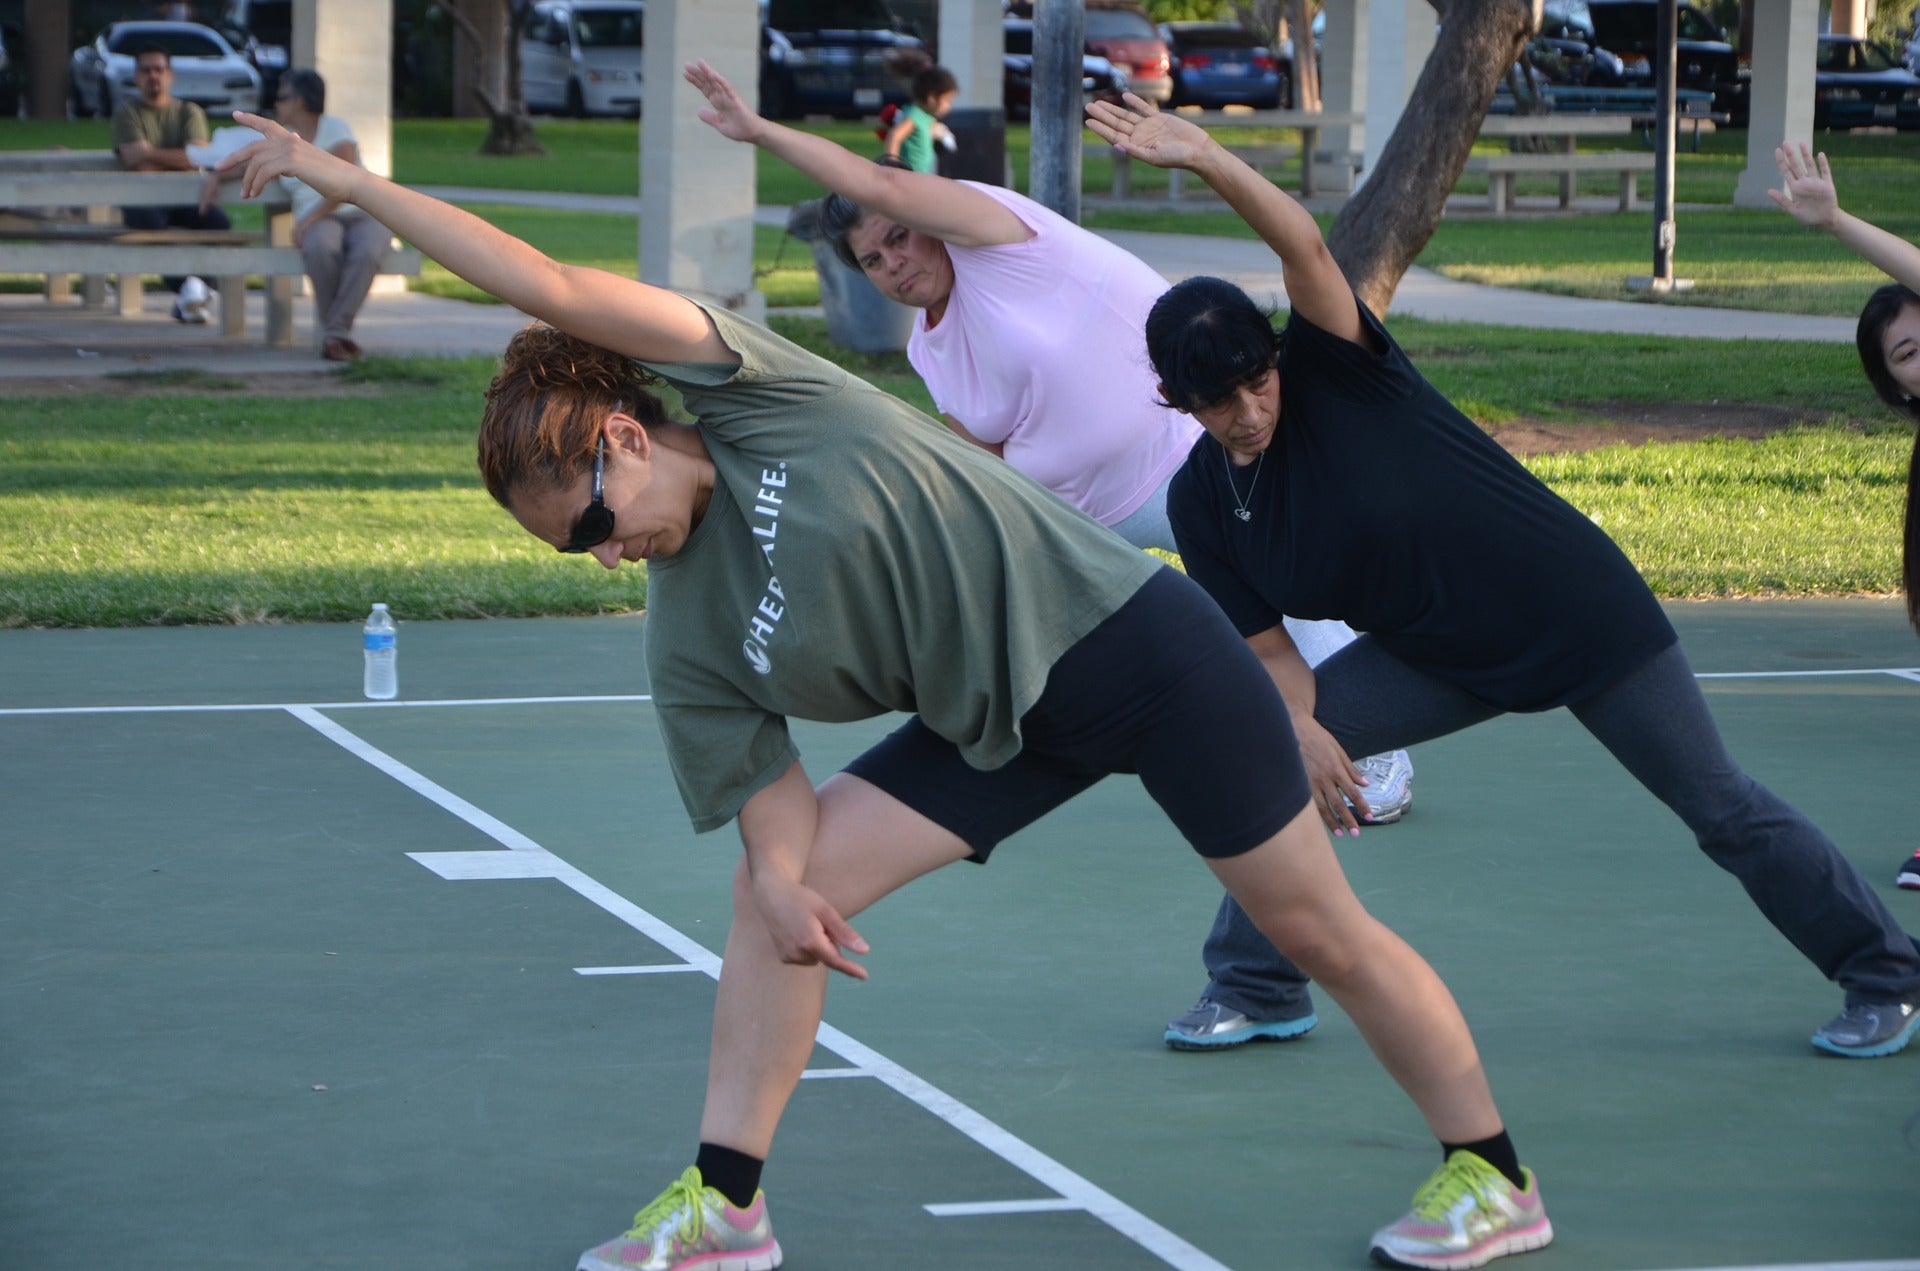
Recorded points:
(151, 133)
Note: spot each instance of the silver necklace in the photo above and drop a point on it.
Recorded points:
(1242, 510)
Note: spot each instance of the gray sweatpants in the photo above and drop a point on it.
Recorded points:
(342, 253)
(1656, 723)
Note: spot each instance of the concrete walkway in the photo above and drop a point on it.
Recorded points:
(38, 341)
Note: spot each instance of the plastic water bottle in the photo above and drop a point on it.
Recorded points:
(382, 682)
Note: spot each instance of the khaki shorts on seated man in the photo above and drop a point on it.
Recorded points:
(151, 133)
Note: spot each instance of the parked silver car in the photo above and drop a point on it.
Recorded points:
(206, 69)
(582, 57)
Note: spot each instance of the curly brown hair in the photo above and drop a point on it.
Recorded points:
(546, 406)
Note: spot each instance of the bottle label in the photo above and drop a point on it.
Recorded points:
(378, 641)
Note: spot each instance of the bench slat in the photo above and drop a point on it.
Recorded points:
(1592, 161)
(206, 259)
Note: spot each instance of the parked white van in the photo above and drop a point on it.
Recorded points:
(582, 57)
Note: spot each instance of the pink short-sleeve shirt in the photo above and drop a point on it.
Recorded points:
(1042, 349)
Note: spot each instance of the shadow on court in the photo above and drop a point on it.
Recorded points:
(287, 980)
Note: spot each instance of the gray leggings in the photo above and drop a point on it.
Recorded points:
(1655, 722)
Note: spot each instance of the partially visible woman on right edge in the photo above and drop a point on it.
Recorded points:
(1480, 590)
(1888, 337)
(340, 244)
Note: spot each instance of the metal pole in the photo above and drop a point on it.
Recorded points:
(1059, 33)
(1665, 66)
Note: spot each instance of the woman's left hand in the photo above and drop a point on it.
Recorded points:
(1140, 131)
(725, 110)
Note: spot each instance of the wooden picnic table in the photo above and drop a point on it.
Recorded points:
(1307, 123)
(43, 236)
(1564, 130)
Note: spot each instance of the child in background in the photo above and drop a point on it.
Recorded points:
(912, 137)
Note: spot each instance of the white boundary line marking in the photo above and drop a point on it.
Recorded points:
(833, 1074)
(326, 706)
(1900, 672)
(532, 860)
(976, 1208)
(1904, 672)
(660, 969)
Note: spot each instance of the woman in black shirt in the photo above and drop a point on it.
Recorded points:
(1480, 590)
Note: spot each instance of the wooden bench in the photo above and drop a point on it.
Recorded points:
(45, 235)
(1501, 169)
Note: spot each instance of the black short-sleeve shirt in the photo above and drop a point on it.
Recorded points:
(1379, 503)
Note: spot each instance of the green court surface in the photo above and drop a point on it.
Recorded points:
(289, 980)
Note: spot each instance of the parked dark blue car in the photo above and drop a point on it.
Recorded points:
(1860, 84)
(1220, 64)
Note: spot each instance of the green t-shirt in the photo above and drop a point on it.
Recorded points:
(856, 558)
(173, 126)
(916, 151)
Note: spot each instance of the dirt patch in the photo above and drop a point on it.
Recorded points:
(1637, 423)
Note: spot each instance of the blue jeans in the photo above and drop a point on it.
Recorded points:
(1656, 723)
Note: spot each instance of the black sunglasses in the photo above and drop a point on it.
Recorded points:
(595, 525)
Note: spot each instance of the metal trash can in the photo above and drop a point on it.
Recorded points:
(858, 316)
(980, 147)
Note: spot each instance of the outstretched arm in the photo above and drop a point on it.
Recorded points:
(1316, 288)
(620, 314)
(933, 205)
(1809, 196)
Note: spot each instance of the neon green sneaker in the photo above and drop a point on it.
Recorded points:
(691, 1227)
(1465, 1215)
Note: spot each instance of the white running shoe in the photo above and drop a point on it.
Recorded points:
(1389, 788)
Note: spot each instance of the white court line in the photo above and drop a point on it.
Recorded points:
(1903, 672)
(527, 859)
(325, 706)
(976, 1208)
(667, 969)
(833, 1074)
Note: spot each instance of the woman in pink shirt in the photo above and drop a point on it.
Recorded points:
(1029, 338)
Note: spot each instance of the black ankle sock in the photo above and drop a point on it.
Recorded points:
(1497, 1151)
(734, 1175)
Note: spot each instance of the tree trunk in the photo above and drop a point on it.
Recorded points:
(509, 127)
(1382, 229)
(1306, 66)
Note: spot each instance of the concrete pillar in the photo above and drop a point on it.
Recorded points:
(1784, 34)
(352, 48)
(696, 187)
(1343, 84)
(353, 51)
(1399, 38)
(1849, 17)
(969, 44)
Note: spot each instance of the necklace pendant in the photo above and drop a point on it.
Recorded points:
(1243, 514)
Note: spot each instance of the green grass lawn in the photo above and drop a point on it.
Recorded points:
(204, 503)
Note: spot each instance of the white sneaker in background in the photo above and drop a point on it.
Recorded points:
(193, 302)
